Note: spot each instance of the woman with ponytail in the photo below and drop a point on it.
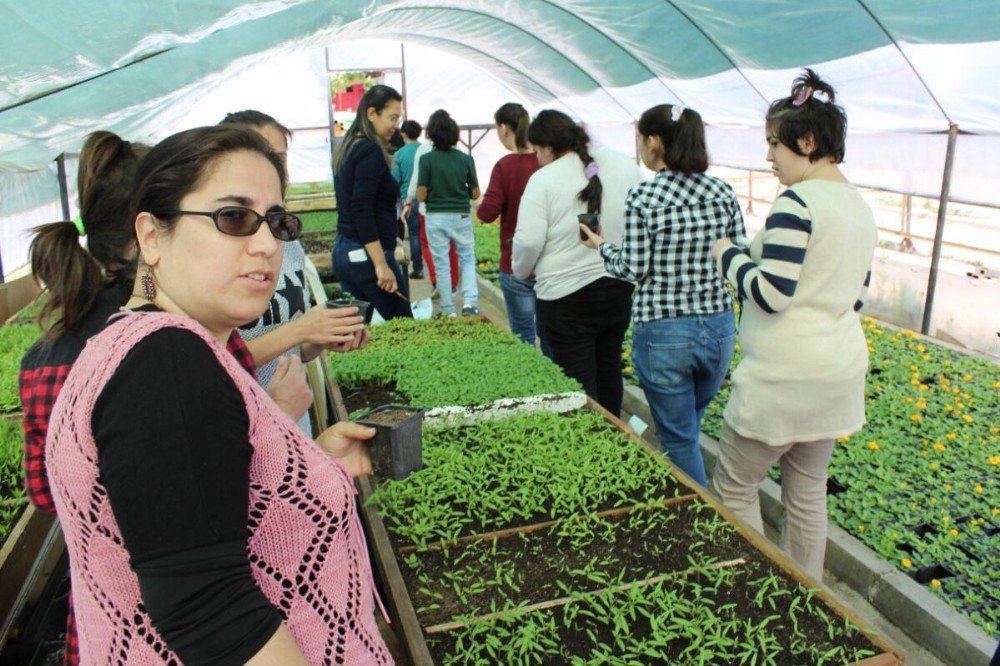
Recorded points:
(584, 309)
(682, 339)
(83, 289)
(801, 382)
(503, 197)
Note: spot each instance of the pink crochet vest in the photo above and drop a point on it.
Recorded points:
(305, 545)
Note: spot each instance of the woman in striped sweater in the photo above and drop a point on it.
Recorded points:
(800, 384)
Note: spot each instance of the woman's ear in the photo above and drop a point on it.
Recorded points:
(371, 114)
(148, 234)
(655, 145)
(807, 144)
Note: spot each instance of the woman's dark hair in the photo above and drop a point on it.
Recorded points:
(801, 115)
(177, 165)
(376, 97)
(555, 130)
(255, 118)
(515, 117)
(442, 130)
(259, 120)
(683, 140)
(72, 275)
(412, 129)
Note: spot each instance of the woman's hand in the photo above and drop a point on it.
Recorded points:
(594, 238)
(385, 278)
(328, 328)
(289, 388)
(345, 441)
(720, 246)
(404, 215)
(360, 342)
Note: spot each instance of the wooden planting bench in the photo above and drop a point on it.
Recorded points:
(28, 559)
(691, 510)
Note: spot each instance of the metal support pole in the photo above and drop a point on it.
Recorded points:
(907, 214)
(749, 192)
(949, 162)
(329, 110)
(63, 185)
(402, 77)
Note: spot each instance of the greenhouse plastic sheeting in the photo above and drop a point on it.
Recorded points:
(904, 69)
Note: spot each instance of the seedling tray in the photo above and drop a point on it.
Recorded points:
(432, 622)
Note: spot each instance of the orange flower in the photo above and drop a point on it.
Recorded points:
(916, 418)
(907, 563)
(935, 582)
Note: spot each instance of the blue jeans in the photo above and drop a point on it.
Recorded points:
(681, 363)
(457, 228)
(357, 277)
(413, 230)
(519, 299)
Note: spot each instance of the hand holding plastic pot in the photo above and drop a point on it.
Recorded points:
(590, 229)
(346, 441)
(397, 448)
(347, 307)
(323, 328)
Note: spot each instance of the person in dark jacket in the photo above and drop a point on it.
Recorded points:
(366, 200)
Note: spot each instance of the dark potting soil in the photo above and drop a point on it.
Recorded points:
(622, 554)
(389, 416)
(619, 550)
(581, 636)
(318, 242)
(369, 395)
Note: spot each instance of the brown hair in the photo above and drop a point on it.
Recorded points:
(255, 118)
(683, 140)
(177, 165)
(72, 275)
(801, 115)
(515, 117)
(556, 130)
(377, 97)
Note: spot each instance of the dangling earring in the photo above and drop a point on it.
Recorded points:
(148, 285)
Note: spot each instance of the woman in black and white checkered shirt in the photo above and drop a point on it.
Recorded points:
(684, 329)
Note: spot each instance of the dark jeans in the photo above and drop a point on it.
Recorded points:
(357, 277)
(585, 330)
(413, 230)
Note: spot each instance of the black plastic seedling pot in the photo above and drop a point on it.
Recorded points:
(592, 222)
(397, 448)
(338, 303)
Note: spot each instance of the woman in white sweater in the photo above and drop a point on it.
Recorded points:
(584, 310)
(800, 384)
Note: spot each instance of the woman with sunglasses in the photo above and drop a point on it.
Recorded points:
(290, 332)
(363, 255)
(202, 524)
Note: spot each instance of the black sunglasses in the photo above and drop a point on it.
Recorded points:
(240, 221)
